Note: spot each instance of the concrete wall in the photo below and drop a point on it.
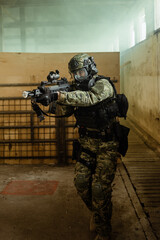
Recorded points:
(140, 81)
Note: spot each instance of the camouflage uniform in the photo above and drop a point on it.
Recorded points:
(95, 187)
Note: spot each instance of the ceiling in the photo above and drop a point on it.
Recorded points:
(81, 22)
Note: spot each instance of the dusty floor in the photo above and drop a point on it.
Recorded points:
(61, 215)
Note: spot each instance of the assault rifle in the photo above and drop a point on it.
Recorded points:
(37, 94)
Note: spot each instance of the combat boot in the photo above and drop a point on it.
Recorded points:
(92, 224)
(98, 237)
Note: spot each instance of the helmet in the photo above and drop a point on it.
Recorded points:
(82, 62)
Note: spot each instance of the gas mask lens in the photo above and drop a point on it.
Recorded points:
(80, 74)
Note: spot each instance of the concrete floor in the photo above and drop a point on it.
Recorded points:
(61, 215)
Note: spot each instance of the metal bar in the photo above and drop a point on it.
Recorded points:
(19, 84)
(28, 141)
(31, 157)
(30, 84)
(60, 136)
(16, 112)
(25, 127)
(32, 127)
(69, 125)
(13, 98)
(70, 139)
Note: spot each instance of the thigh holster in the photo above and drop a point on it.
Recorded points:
(76, 155)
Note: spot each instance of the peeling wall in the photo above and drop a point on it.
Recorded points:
(140, 81)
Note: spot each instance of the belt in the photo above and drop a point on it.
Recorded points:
(94, 134)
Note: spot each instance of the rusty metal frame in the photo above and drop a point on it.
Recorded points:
(32, 140)
(60, 131)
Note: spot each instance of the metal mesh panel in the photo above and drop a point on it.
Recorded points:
(22, 136)
(24, 139)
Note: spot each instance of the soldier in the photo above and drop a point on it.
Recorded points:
(91, 100)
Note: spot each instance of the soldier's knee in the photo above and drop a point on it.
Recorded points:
(80, 182)
(97, 191)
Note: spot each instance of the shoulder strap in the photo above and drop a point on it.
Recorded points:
(55, 116)
(39, 111)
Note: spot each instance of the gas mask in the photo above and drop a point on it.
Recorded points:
(83, 81)
(82, 69)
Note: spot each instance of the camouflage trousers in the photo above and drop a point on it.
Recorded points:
(95, 187)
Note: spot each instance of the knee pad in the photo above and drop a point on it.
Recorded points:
(80, 182)
(97, 191)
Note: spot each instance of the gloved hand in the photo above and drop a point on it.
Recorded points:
(47, 97)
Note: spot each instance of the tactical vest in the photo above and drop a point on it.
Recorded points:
(99, 116)
(102, 115)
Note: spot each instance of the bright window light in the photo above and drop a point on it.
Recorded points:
(142, 26)
(156, 14)
(115, 45)
(112, 48)
(132, 36)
